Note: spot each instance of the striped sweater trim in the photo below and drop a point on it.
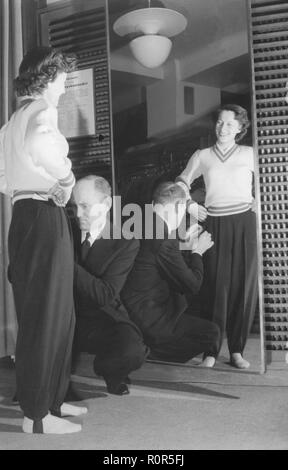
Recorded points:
(223, 156)
(39, 195)
(229, 210)
(181, 181)
(184, 186)
(68, 180)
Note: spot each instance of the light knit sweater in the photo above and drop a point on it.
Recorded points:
(33, 153)
(228, 181)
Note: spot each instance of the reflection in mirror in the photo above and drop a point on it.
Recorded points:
(161, 117)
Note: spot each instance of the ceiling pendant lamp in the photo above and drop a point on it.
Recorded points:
(153, 27)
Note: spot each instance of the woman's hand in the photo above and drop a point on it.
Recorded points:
(197, 211)
(202, 213)
(58, 195)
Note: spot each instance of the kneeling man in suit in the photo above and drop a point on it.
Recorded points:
(160, 282)
(103, 326)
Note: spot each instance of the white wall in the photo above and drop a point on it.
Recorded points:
(205, 100)
(165, 103)
(213, 54)
(162, 105)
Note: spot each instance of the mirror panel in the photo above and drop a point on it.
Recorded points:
(161, 116)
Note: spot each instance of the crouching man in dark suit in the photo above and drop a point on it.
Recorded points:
(155, 290)
(103, 327)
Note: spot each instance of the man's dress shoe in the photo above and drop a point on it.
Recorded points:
(15, 401)
(118, 389)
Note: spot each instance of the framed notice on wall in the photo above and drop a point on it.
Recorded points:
(76, 109)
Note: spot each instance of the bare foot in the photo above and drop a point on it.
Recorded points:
(238, 361)
(209, 361)
(52, 425)
(71, 410)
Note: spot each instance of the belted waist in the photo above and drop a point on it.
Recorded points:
(31, 194)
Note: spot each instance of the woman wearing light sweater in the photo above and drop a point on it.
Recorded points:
(230, 266)
(36, 172)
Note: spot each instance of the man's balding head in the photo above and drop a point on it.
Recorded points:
(92, 196)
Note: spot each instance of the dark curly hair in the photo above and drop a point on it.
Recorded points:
(40, 66)
(241, 116)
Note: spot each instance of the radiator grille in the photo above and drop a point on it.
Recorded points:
(269, 41)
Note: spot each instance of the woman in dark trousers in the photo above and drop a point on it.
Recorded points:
(36, 173)
(230, 267)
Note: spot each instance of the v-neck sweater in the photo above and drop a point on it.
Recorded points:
(227, 176)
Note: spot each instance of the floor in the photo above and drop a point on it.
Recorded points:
(169, 407)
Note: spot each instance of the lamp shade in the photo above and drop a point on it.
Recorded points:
(160, 21)
(151, 50)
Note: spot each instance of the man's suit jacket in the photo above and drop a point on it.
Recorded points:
(101, 277)
(154, 293)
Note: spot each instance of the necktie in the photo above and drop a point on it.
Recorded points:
(85, 247)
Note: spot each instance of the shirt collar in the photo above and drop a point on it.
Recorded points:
(94, 233)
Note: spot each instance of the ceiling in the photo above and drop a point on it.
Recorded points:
(212, 25)
(231, 75)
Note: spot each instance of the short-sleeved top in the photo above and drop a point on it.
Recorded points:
(228, 178)
(33, 152)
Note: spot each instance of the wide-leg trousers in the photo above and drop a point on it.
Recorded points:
(41, 271)
(230, 286)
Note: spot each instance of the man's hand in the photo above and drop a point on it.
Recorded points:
(203, 243)
(193, 232)
(197, 211)
(191, 236)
